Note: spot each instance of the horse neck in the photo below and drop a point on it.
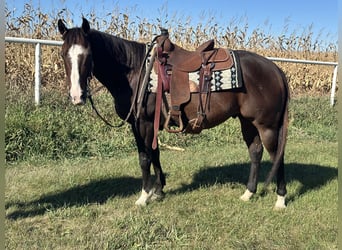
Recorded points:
(117, 62)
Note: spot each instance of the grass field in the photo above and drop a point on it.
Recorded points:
(85, 199)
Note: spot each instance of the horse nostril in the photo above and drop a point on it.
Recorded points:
(78, 97)
(77, 100)
(73, 99)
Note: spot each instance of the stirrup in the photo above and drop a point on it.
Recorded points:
(167, 123)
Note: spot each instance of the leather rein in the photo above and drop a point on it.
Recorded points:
(136, 105)
(89, 96)
(137, 96)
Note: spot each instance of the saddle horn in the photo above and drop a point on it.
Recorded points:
(164, 32)
(164, 41)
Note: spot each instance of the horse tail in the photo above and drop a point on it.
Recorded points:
(282, 134)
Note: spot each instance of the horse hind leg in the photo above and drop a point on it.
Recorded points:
(255, 139)
(255, 149)
(270, 139)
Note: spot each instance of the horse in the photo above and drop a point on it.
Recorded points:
(261, 105)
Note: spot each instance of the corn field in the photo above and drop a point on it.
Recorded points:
(33, 23)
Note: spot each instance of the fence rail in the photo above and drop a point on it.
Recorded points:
(334, 80)
(37, 59)
(39, 42)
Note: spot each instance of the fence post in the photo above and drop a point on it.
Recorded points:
(38, 43)
(37, 75)
(333, 87)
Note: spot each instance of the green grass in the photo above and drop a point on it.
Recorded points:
(57, 130)
(86, 200)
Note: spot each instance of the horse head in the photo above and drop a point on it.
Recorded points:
(78, 61)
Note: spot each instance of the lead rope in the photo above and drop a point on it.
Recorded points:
(136, 92)
(95, 109)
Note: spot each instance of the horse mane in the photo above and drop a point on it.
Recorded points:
(125, 53)
(117, 65)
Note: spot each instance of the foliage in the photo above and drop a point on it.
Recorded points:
(32, 22)
(57, 130)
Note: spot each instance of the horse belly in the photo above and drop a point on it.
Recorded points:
(220, 106)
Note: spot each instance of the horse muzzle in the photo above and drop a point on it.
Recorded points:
(79, 100)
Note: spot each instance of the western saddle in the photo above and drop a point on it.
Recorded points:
(175, 64)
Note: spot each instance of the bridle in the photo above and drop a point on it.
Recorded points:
(141, 85)
(89, 95)
(138, 92)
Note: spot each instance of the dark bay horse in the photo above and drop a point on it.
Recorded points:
(261, 104)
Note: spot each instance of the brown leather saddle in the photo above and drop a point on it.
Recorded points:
(179, 63)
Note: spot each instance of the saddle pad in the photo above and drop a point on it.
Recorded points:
(221, 79)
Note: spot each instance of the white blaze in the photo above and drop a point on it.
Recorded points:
(75, 90)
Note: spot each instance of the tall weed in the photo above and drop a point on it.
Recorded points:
(33, 22)
(57, 130)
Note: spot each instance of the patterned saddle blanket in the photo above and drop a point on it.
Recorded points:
(221, 80)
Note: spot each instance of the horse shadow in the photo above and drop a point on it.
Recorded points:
(309, 175)
(97, 192)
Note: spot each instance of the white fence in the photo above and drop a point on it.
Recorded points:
(37, 58)
(39, 42)
(334, 80)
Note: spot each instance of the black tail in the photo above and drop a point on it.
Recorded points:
(282, 134)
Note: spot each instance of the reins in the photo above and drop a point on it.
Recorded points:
(101, 117)
(138, 94)
(140, 91)
(95, 109)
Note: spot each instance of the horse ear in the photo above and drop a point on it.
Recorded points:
(61, 27)
(85, 25)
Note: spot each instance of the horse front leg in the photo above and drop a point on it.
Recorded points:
(147, 191)
(143, 132)
(160, 177)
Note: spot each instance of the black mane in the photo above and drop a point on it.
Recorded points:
(117, 64)
(115, 55)
(74, 36)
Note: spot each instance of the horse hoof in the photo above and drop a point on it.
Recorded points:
(144, 198)
(280, 204)
(247, 195)
(157, 196)
(141, 203)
